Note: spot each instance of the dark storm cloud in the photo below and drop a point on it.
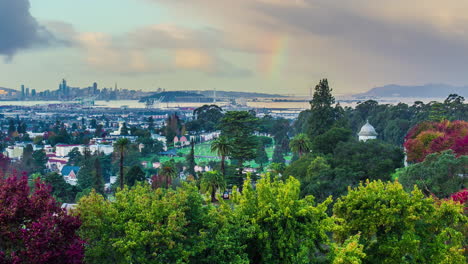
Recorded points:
(19, 29)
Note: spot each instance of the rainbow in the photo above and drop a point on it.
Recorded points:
(272, 65)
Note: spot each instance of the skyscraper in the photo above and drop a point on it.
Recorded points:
(33, 93)
(27, 92)
(22, 91)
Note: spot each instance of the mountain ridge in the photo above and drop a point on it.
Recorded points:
(434, 90)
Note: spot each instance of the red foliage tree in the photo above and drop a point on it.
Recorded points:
(33, 228)
(431, 137)
(461, 197)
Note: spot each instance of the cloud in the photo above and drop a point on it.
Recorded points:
(19, 30)
(156, 49)
(385, 41)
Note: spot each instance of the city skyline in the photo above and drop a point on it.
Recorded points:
(269, 46)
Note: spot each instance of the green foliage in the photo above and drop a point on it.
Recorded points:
(239, 128)
(206, 118)
(161, 226)
(90, 174)
(322, 114)
(278, 156)
(281, 227)
(190, 159)
(124, 130)
(400, 227)
(61, 190)
(439, 174)
(369, 160)
(212, 181)
(350, 163)
(134, 175)
(351, 252)
(261, 155)
(300, 144)
(327, 142)
(75, 157)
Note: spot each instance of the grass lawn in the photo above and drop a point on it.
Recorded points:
(203, 151)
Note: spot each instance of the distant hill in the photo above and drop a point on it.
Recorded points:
(8, 90)
(5, 91)
(424, 91)
(210, 93)
(172, 96)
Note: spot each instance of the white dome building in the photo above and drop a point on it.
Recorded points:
(367, 132)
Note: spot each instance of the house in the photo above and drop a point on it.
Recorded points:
(70, 174)
(56, 164)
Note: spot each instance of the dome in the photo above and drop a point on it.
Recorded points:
(367, 131)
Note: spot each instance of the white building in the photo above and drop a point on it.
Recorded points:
(107, 149)
(367, 132)
(63, 150)
(14, 152)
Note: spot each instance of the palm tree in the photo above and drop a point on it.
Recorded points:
(222, 147)
(122, 145)
(168, 171)
(211, 182)
(300, 144)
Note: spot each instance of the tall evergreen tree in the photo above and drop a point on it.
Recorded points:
(122, 145)
(190, 158)
(322, 114)
(239, 127)
(98, 183)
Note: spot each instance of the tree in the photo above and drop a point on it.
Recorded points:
(431, 137)
(93, 123)
(440, 174)
(322, 115)
(212, 181)
(400, 227)
(74, 157)
(11, 127)
(190, 159)
(124, 129)
(167, 173)
(33, 227)
(98, 180)
(328, 141)
(282, 227)
(239, 127)
(61, 190)
(40, 159)
(150, 124)
(300, 144)
(350, 163)
(158, 226)
(278, 155)
(134, 175)
(122, 145)
(206, 118)
(86, 178)
(261, 155)
(222, 146)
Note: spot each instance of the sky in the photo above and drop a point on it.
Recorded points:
(273, 46)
